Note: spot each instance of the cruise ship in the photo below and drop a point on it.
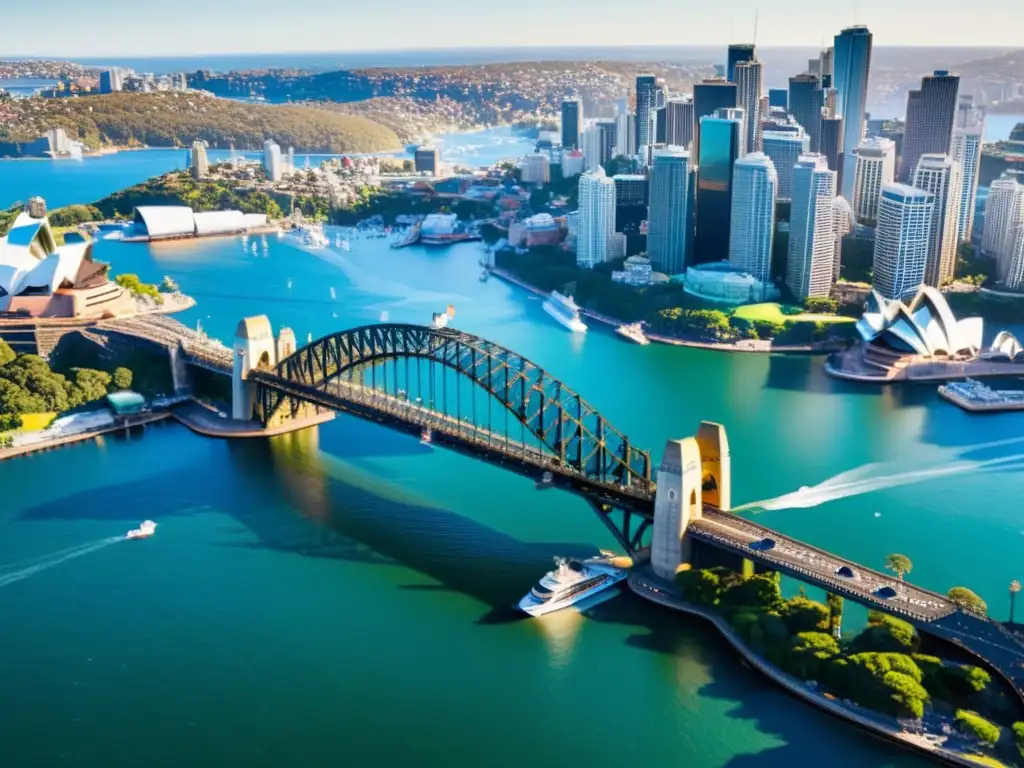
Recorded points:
(565, 311)
(570, 582)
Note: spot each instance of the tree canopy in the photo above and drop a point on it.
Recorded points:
(968, 600)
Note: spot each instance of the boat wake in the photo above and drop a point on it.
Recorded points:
(866, 479)
(19, 571)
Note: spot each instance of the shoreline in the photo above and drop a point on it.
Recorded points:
(744, 345)
(59, 442)
(640, 584)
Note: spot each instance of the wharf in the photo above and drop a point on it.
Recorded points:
(974, 405)
(122, 425)
(205, 421)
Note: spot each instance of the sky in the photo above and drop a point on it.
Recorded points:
(67, 28)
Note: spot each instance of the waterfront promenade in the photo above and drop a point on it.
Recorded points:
(122, 425)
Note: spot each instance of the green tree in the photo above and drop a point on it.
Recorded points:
(1018, 737)
(885, 633)
(972, 724)
(122, 378)
(6, 353)
(899, 564)
(835, 614)
(808, 653)
(699, 586)
(760, 591)
(967, 600)
(804, 615)
(821, 305)
(91, 385)
(1014, 585)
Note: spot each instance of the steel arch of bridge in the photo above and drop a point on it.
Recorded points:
(566, 425)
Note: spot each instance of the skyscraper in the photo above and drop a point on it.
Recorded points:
(832, 143)
(708, 97)
(660, 124)
(670, 217)
(630, 202)
(778, 97)
(679, 122)
(749, 84)
(272, 164)
(931, 112)
(811, 258)
(752, 228)
(111, 80)
(200, 163)
(785, 148)
(1004, 219)
(625, 136)
(572, 123)
(851, 68)
(901, 240)
(939, 175)
(596, 218)
(738, 52)
(720, 142)
(875, 166)
(968, 136)
(805, 102)
(646, 103)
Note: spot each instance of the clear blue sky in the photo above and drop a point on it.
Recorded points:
(62, 28)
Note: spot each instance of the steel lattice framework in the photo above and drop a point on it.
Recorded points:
(566, 425)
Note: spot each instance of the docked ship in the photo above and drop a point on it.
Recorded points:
(565, 311)
(634, 332)
(571, 582)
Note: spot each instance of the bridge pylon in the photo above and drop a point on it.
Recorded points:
(693, 471)
(255, 347)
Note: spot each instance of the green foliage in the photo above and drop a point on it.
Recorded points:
(91, 385)
(760, 592)
(972, 724)
(821, 305)
(972, 267)
(857, 260)
(886, 633)
(130, 282)
(122, 378)
(699, 586)
(764, 632)
(886, 682)
(73, 215)
(964, 680)
(835, 613)
(1018, 737)
(899, 564)
(803, 615)
(6, 353)
(27, 385)
(809, 651)
(967, 600)
(169, 119)
(179, 188)
(907, 694)
(706, 324)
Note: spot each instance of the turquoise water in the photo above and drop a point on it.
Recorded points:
(64, 182)
(343, 595)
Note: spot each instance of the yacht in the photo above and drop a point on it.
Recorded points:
(144, 531)
(565, 311)
(569, 583)
(313, 236)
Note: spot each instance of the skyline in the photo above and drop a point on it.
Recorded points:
(460, 24)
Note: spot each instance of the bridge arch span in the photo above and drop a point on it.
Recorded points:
(572, 430)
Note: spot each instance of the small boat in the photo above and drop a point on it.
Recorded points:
(545, 481)
(426, 437)
(147, 529)
(289, 283)
(254, 249)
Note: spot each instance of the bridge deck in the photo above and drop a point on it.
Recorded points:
(169, 333)
(817, 567)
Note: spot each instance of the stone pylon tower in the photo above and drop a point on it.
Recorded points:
(254, 347)
(693, 472)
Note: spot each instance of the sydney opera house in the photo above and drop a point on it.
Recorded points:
(39, 279)
(922, 341)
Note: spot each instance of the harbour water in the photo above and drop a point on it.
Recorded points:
(345, 593)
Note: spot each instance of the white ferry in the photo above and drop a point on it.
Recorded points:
(569, 583)
(144, 531)
(565, 311)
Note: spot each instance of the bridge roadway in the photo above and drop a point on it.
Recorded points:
(199, 349)
(530, 460)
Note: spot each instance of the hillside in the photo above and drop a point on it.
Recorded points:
(178, 118)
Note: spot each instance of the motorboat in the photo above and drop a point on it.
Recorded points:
(426, 437)
(144, 531)
(571, 582)
(565, 311)
(313, 236)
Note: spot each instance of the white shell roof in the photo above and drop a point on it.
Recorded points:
(927, 325)
(219, 222)
(167, 220)
(21, 268)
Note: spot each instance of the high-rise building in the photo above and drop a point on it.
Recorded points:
(968, 136)
(901, 240)
(424, 160)
(939, 175)
(596, 218)
(931, 112)
(738, 53)
(535, 168)
(785, 148)
(671, 217)
(272, 161)
(875, 166)
(646, 103)
(630, 202)
(749, 84)
(811, 258)
(679, 122)
(572, 123)
(625, 136)
(825, 66)
(200, 163)
(851, 70)
(1014, 279)
(1004, 219)
(720, 142)
(778, 97)
(805, 102)
(752, 227)
(831, 144)
(708, 97)
(111, 80)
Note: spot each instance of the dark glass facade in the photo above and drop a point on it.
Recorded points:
(738, 52)
(778, 97)
(646, 103)
(709, 96)
(572, 123)
(805, 102)
(719, 148)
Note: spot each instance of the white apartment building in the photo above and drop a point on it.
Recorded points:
(902, 237)
(754, 188)
(875, 166)
(596, 219)
(941, 176)
(811, 258)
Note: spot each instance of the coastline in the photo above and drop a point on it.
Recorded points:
(744, 345)
(641, 584)
(58, 442)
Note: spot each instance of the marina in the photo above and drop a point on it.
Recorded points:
(976, 397)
